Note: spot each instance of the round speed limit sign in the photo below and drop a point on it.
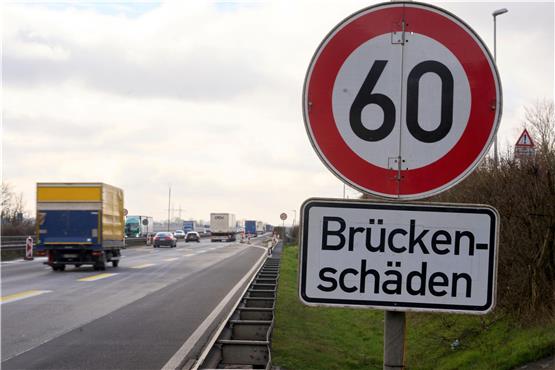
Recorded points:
(402, 100)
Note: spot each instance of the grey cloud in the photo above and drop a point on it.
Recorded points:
(42, 127)
(204, 74)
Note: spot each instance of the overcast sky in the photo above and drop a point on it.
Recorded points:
(203, 96)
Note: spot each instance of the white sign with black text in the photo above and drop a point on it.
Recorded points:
(406, 257)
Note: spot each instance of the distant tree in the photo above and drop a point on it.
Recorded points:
(13, 209)
(12, 204)
(539, 119)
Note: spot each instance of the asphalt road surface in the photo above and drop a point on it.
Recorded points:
(135, 316)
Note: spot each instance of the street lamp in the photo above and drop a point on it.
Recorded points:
(495, 14)
(169, 204)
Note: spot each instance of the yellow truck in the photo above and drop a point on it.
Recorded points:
(80, 224)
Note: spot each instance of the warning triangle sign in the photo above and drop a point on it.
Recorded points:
(525, 140)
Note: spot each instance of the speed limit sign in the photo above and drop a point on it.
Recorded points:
(402, 100)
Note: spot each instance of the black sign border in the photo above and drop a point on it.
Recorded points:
(399, 306)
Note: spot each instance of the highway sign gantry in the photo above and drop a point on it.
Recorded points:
(402, 100)
(398, 257)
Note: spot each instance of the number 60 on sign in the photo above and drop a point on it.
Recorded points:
(402, 100)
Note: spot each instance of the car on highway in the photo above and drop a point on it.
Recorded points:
(164, 239)
(179, 234)
(192, 236)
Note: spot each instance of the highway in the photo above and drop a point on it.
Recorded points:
(136, 316)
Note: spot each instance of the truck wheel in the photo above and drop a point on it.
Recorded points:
(62, 267)
(78, 265)
(115, 263)
(54, 267)
(101, 263)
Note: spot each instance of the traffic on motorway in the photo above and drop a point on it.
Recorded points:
(52, 320)
(168, 284)
(86, 224)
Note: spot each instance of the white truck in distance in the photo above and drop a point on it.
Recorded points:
(259, 227)
(223, 227)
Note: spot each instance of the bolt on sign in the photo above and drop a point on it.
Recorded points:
(406, 257)
(402, 100)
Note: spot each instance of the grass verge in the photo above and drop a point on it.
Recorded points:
(320, 338)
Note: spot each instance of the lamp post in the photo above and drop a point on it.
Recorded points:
(495, 14)
(169, 204)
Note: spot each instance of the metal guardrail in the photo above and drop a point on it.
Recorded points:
(15, 243)
(244, 341)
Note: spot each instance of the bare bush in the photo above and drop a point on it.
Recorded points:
(523, 194)
(12, 216)
(540, 122)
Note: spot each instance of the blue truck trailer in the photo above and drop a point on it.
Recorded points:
(250, 227)
(189, 226)
(80, 224)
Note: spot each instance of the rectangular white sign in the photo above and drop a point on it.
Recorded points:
(398, 256)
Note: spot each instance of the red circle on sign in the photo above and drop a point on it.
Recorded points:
(461, 159)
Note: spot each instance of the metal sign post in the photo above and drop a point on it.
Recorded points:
(283, 217)
(394, 340)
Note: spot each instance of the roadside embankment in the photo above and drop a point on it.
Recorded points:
(336, 338)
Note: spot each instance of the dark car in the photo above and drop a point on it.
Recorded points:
(164, 238)
(192, 236)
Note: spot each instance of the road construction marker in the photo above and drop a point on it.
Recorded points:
(97, 277)
(22, 295)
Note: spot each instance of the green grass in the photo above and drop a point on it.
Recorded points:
(323, 338)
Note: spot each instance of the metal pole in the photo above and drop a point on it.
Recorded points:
(495, 157)
(394, 329)
(394, 340)
(169, 205)
(495, 14)
(283, 231)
